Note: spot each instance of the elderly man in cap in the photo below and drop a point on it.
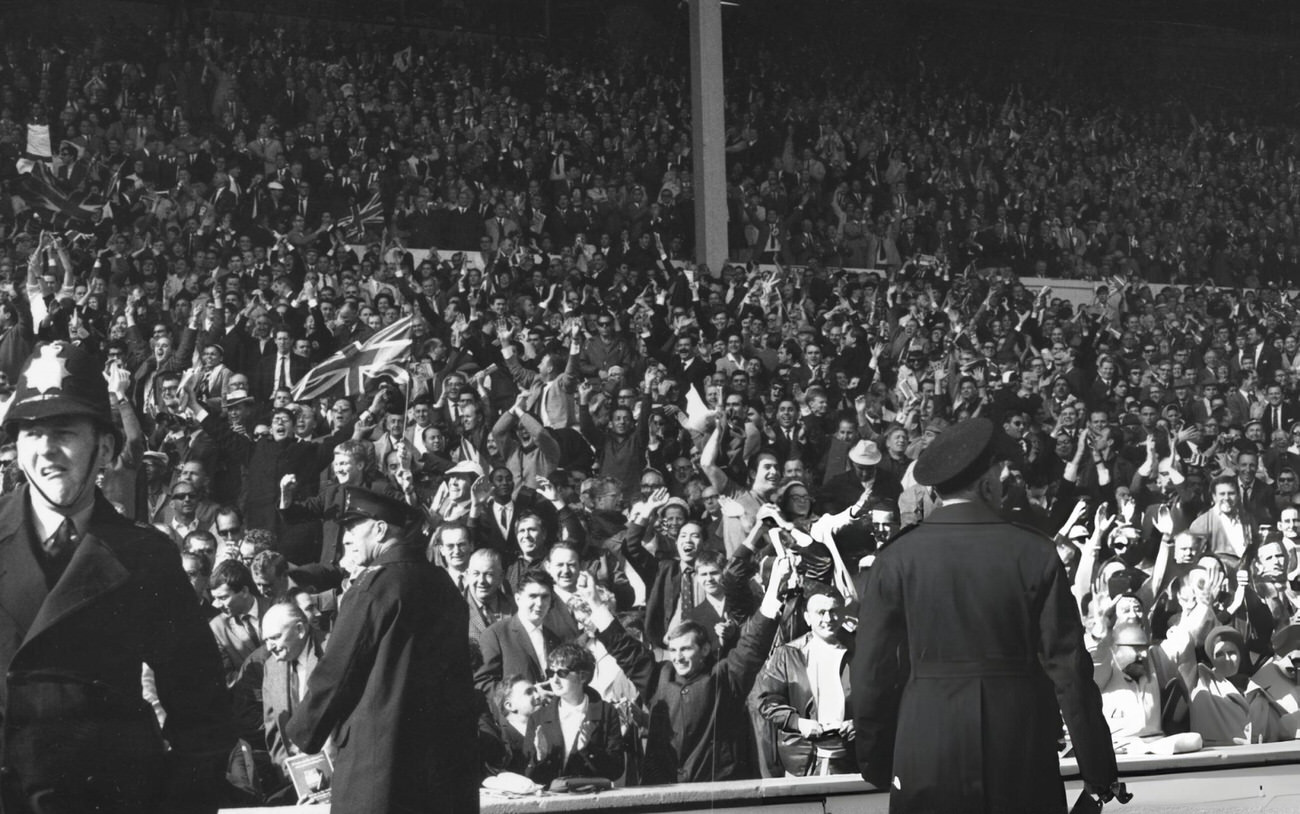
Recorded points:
(983, 610)
(89, 599)
(395, 683)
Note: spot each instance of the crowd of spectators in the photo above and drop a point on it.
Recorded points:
(645, 473)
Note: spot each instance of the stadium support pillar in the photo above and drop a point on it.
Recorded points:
(708, 134)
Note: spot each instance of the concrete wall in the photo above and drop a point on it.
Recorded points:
(1222, 781)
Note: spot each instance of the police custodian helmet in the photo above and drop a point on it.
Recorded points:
(61, 379)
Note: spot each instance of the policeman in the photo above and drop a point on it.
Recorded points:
(87, 599)
(968, 637)
(394, 687)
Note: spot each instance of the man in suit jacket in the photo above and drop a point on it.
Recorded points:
(489, 601)
(519, 645)
(394, 687)
(501, 226)
(1256, 496)
(295, 648)
(712, 612)
(1240, 401)
(494, 517)
(1228, 531)
(237, 628)
(1278, 413)
(89, 599)
(282, 368)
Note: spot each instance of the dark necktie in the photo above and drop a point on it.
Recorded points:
(60, 545)
(293, 686)
(688, 589)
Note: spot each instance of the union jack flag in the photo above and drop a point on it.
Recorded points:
(37, 190)
(359, 217)
(348, 370)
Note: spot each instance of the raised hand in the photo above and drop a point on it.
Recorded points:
(504, 332)
(481, 491)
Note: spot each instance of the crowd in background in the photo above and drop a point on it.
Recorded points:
(622, 455)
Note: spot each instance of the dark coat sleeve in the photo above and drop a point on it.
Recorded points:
(187, 675)
(489, 676)
(337, 683)
(1067, 664)
(877, 676)
(635, 659)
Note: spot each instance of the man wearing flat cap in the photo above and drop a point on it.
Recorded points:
(394, 687)
(968, 720)
(87, 599)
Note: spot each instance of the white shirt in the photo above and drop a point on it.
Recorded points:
(47, 521)
(824, 662)
(1235, 532)
(571, 718)
(501, 513)
(538, 642)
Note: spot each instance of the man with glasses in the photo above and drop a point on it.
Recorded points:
(604, 350)
(451, 549)
(229, 526)
(187, 511)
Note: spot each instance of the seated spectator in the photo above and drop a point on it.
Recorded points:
(1227, 709)
(802, 692)
(699, 735)
(1132, 694)
(577, 734)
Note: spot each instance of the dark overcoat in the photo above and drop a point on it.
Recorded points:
(970, 649)
(78, 735)
(395, 689)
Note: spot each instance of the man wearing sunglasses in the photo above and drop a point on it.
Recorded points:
(187, 511)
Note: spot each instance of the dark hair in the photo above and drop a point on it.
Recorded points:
(205, 564)
(233, 574)
(572, 656)
(536, 576)
(813, 588)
